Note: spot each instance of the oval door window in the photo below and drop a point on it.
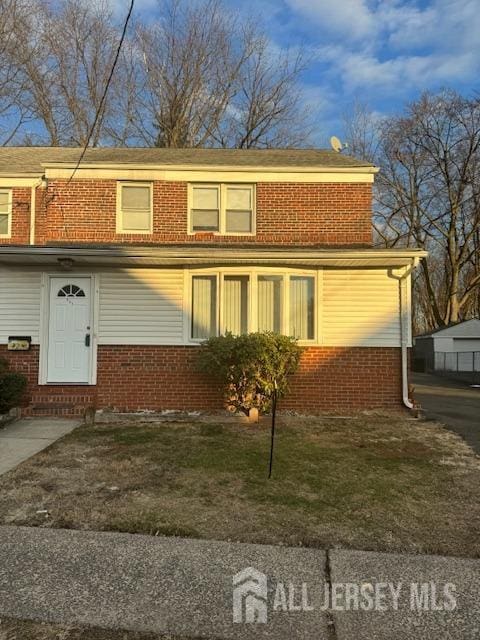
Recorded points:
(71, 291)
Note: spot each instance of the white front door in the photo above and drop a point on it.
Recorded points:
(69, 331)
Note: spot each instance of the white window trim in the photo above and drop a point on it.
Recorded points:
(119, 213)
(8, 213)
(253, 273)
(222, 188)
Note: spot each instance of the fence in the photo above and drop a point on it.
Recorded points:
(464, 365)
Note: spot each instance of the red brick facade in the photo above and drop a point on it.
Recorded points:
(286, 213)
(20, 217)
(163, 377)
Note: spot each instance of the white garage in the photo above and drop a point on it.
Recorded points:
(455, 348)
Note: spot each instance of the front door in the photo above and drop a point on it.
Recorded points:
(69, 331)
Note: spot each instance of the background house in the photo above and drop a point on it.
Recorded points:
(114, 271)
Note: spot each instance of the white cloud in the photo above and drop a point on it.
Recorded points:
(400, 45)
(345, 18)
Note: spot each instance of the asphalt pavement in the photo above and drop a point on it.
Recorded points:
(455, 404)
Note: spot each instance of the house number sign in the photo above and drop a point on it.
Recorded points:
(19, 343)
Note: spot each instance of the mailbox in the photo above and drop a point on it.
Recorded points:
(19, 343)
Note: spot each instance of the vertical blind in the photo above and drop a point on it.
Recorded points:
(269, 303)
(297, 320)
(302, 307)
(235, 304)
(204, 303)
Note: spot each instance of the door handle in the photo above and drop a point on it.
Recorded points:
(87, 340)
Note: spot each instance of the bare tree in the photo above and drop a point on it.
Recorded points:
(13, 15)
(211, 80)
(428, 195)
(198, 75)
(64, 54)
(266, 109)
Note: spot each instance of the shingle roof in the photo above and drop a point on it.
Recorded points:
(30, 159)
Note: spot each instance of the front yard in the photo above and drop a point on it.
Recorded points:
(374, 481)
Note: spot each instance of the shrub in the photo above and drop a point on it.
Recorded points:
(12, 387)
(249, 366)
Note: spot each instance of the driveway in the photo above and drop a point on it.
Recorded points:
(26, 437)
(456, 404)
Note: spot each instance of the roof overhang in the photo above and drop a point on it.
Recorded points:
(211, 167)
(170, 256)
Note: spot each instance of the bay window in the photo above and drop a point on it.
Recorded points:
(253, 300)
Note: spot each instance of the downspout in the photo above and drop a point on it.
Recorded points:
(33, 204)
(402, 283)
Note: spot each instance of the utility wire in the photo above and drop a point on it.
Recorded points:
(107, 85)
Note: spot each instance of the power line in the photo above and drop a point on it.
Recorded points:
(107, 85)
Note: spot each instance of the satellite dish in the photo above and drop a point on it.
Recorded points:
(336, 144)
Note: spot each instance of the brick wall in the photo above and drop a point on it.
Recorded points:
(163, 377)
(290, 213)
(20, 217)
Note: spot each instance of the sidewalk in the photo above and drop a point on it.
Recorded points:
(26, 437)
(184, 587)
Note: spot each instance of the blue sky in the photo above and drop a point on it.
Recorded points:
(381, 52)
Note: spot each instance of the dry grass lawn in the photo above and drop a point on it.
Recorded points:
(25, 630)
(382, 482)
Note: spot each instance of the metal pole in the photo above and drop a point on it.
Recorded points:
(272, 438)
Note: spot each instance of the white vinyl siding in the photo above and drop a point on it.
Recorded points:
(19, 304)
(352, 307)
(360, 308)
(141, 306)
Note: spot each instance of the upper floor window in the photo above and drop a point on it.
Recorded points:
(134, 207)
(5, 213)
(226, 209)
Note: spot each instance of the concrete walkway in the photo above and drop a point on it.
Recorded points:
(456, 404)
(26, 437)
(184, 587)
